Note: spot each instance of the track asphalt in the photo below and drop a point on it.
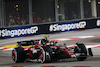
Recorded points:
(11, 46)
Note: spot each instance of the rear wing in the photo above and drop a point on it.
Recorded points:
(30, 42)
(27, 43)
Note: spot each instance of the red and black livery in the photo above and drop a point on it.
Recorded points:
(44, 50)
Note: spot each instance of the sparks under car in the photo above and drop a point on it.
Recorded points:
(44, 51)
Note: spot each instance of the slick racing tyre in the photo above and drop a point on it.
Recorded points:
(80, 52)
(18, 55)
(44, 55)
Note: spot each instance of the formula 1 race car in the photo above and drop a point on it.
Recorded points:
(44, 51)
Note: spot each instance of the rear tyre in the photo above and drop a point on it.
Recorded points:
(81, 52)
(18, 55)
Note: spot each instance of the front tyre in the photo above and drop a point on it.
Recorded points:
(81, 52)
(44, 55)
(18, 55)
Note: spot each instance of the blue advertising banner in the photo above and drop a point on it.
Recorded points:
(75, 25)
(68, 26)
(20, 31)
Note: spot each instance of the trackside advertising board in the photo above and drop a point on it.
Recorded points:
(20, 31)
(75, 25)
(64, 26)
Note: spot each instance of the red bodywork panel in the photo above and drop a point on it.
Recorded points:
(68, 51)
(62, 47)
